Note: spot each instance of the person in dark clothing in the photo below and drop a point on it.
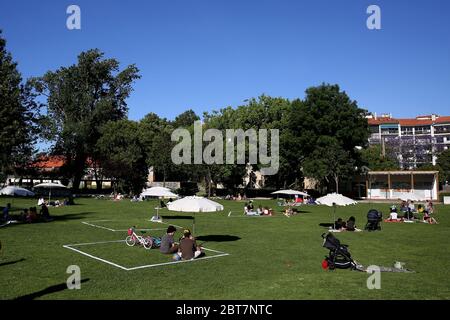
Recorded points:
(188, 248)
(44, 212)
(339, 224)
(351, 224)
(167, 243)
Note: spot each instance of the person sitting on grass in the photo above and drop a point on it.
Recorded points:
(5, 213)
(188, 248)
(45, 213)
(32, 215)
(393, 216)
(339, 224)
(351, 224)
(427, 218)
(288, 212)
(167, 243)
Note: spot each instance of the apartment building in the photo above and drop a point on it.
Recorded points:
(413, 142)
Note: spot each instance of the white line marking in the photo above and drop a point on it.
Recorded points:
(96, 258)
(96, 226)
(175, 262)
(69, 246)
(123, 230)
(92, 243)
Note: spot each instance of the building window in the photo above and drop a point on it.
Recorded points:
(389, 131)
(422, 129)
(407, 131)
(442, 129)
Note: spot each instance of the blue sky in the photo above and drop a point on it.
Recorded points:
(208, 54)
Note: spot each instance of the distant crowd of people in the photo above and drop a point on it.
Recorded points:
(409, 212)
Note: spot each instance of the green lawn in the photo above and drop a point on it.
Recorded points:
(269, 258)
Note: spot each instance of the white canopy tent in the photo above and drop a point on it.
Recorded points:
(16, 191)
(50, 186)
(158, 192)
(194, 204)
(333, 200)
(291, 192)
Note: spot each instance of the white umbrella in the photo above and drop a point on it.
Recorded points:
(291, 192)
(158, 192)
(405, 196)
(194, 204)
(333, 200)
(50, 186)
(16, 191)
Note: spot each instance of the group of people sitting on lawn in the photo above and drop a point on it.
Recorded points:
(408, 212)
(27, 215)
(341, 225)
(249, 210)
(186, 249)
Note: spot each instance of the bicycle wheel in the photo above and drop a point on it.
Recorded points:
(147, 243)
(130, 240)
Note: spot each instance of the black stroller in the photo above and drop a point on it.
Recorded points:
(339, 256)
(374, 218)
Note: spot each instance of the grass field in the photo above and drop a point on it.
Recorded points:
(268, 257)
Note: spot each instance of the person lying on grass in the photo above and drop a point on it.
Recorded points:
(167, 243)
(188, 248)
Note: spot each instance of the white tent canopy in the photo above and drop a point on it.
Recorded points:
(335, 199)
(16, 191)
(194, 204)
(158, 192)
(49, 185)
(291, 192)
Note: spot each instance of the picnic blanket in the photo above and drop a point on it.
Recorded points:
(343, 230)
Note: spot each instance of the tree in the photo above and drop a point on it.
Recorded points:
(375, 160)
(443, 162)
(329, 162)
(123, 155)
(19, 116)
(80, 99)
(185, 119)
(327, 124)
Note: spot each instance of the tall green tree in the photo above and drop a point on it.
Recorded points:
(80, 99)
(443, 163)
(123, 155)
(328, 123)
(374, 159)
(19, 116)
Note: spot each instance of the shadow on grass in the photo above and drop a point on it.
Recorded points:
(11, 262)
(54, 218)
(218, 238)
(187, 217)
(48, 290)
(71, 216)
(327, 225)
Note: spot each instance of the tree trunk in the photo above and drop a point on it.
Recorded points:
(336, 180)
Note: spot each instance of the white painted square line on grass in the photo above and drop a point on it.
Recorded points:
(89, 223)
(71, 247)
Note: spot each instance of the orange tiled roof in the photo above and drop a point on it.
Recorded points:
(410, 122)
(49, 162)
